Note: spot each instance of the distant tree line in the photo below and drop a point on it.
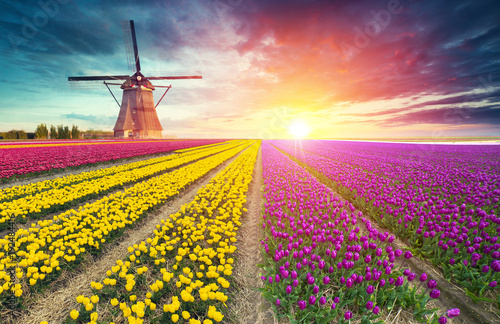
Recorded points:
(42, 132)
(14, 134)
(57, 132)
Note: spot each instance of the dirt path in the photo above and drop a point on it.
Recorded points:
(55, 304)
(248, 306)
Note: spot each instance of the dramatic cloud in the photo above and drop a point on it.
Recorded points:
(395, 64)
(489, 115)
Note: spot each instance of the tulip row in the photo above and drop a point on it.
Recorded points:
(325, 263)
(43, 251)
(16, 161)
(183, 271)
(204, 146)
(14, 192)
(445, 204)
(68, 191)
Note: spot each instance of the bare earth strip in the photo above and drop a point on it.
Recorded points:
(248, 305)
(55, 304)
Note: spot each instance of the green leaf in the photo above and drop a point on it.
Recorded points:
(417, 309)
(471, 295)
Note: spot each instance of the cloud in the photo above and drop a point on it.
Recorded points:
(420, 51)
(94, 119)
(262, 55)
(489, 115)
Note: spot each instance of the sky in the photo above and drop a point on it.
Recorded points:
(271, 68)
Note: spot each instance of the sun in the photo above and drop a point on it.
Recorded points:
(298, 129)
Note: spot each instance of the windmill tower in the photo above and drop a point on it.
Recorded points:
(137, 117)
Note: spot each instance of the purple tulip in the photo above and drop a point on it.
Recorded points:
(322, 300)
(348, 315)
(326, 280)
(432, 284)
(336, 300)
(288, 289)
(435, 293)
(453, 312)
(442, 320)
(315, 290)
(369, 305)
(423, 277)
(278, 302)
(312, 300)
(376, 310)
(370, 289)
(302, 304)
(493, 284)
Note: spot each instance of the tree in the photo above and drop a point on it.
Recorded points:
(67, 133)
(63, 132)
(53, 132)
(41, 131)
(60, 131)
(75, 133)
(14, 134)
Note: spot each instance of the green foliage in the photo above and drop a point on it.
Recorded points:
(63, 132)
(75, 133)
(53, 132)
(42, 131)
(14, 134)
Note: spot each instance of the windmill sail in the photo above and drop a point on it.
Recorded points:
(137, 117)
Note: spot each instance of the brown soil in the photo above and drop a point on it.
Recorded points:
(54, 304)
(248, 305)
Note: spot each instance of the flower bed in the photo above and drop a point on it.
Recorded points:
(16, 160)
(184, 271)
(58, 194)
(443, 204)
(324, 263)
(43, 251)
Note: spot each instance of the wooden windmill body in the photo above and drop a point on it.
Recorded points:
(137, 117)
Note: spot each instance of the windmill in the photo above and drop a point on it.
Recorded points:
(137, 117)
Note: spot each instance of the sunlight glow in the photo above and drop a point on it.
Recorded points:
(298, 129)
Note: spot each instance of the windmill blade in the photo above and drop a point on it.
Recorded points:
(94, 82)
(131, 48)
(180, 77)
(172, 75)
(99, 78)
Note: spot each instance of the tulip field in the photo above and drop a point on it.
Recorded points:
(445, 205)
(26, 158)
(341, 225)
